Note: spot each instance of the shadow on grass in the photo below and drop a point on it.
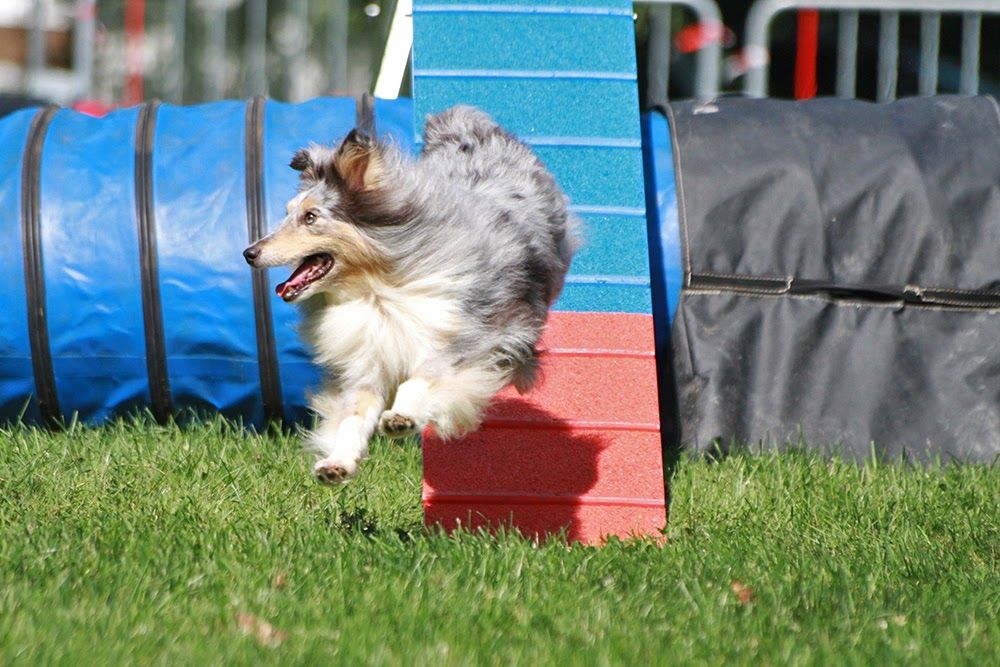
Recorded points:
(361, 521)
(536, 487)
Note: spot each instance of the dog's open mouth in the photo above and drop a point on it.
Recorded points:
(309, 271)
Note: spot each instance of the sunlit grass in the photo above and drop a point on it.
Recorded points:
(141, 544)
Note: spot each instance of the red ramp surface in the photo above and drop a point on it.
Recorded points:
(580, 453)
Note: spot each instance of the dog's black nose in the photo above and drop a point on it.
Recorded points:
(250, 254)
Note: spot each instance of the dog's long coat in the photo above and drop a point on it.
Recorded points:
(425, 283)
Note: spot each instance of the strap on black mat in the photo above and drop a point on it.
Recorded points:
(910, 295)
(152, 311)
(267, 357)
(34, 277)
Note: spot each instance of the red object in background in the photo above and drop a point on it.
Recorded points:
(805, 54)
(135, 26)
(94, 108)
(580, 453)
(697, 36)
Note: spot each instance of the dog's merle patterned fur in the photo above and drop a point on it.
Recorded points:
(476, 230)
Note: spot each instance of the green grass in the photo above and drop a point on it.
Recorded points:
(139, 544)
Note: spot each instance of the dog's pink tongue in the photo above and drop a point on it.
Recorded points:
(295, 280)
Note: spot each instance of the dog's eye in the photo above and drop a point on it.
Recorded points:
(309, 217)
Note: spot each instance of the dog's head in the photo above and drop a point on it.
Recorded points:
(321, 235)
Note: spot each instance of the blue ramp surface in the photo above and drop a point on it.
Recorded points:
(576, 107)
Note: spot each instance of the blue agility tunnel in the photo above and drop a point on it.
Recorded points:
(120, 257)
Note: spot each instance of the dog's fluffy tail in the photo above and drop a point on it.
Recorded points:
(460, 398)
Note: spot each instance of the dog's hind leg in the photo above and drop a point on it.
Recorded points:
(452, 401)
(347, 423)
(409, 410)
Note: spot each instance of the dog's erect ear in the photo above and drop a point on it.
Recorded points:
(301, 161)
(358, 162)
(314, 164)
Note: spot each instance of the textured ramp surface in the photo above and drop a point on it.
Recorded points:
(562, 78)
(582, 452)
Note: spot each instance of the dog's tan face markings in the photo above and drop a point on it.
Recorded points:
(310, 229)
(314, 226)
(296, 204)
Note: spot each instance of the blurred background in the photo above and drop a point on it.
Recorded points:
(100, 54)
(919, 41)
(107, 53)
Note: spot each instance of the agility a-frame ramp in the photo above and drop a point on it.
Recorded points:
(582, 452)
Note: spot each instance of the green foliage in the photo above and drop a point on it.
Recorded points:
(134, 543)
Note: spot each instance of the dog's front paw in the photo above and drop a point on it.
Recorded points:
(396, 425)
(334, 471)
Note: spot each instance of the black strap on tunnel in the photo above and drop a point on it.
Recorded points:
(267, 357)
(364, 116)
(34, 275)
(145, 220)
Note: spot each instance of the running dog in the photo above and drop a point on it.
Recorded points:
(425, 283)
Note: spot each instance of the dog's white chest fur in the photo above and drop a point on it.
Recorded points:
(383, 336)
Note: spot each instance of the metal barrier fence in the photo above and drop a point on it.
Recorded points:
(762, 13)
(709, 62)
(37, 79)
(197, 58)
(197, 50)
